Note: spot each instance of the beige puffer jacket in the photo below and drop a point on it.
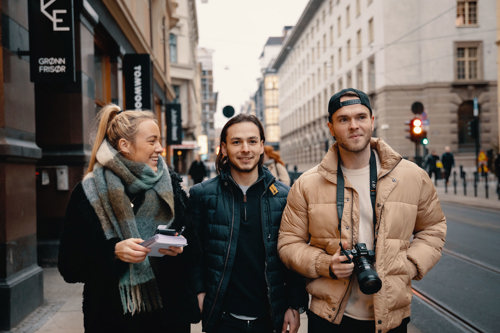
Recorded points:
(406, 206)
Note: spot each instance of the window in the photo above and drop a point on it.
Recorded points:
(359, 77)
(331, 35)
(370, 31)
(371, 74)
(466, 13)
(339, 26)
(358, 8)
(349, 79)
(468, 61)
(348, 49)
(332, 65)
(347, 16)
(358, 40)
(173, 48)
(340, 58)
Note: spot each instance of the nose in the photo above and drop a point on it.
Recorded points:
(245, 146)
(353, 123)
(158, 147)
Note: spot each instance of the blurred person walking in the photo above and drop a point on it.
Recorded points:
(448, 163)
(197, 171)
(275, 164)
(127, 192)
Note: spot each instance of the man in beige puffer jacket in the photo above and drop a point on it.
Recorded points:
(407, 233)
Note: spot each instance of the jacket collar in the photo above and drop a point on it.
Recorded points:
(389, 158)
(264, 174)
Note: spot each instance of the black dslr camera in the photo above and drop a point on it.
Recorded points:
(368, 279)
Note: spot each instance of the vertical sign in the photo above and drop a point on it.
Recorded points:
(138, 82)
(52, 40)
(174, 124)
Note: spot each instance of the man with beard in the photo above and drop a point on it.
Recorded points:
(363, 196)
(241, 283)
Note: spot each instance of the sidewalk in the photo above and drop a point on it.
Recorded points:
(62, 309)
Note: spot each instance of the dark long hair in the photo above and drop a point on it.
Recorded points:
(222, 161)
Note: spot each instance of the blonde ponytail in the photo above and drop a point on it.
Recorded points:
(115, 124)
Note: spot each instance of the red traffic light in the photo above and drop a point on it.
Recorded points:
(417, 132)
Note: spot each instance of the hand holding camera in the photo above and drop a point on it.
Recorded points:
(338, 266)
(363, 260)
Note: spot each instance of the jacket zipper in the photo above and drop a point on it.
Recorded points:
(225, 262)
(265, 249)
(245, 205)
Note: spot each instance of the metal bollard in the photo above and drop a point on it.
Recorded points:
(455, 182)
(486, 183)
(462, 173)
(476, 176)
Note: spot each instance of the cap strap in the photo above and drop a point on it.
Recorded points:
(350, 102)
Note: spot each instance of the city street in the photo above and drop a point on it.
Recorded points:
(457, 295)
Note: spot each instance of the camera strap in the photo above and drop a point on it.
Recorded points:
(341, 185)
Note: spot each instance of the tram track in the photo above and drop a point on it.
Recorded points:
(471, 261)
(443, 309)
(446, 311)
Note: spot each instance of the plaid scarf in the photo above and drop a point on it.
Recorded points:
(105, 187)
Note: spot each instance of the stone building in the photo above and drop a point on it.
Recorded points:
(442, 54)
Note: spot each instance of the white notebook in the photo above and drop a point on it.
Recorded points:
(159, 241)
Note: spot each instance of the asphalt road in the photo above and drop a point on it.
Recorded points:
(461, 291)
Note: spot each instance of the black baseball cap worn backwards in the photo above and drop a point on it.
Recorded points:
(334, 104)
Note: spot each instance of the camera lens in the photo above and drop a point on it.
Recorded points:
(369, 282)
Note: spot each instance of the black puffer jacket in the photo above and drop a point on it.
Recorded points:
(216, 217)
(86, 256)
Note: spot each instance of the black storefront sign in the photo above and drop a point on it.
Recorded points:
(138, 82)
(52, 40)
(174, 124)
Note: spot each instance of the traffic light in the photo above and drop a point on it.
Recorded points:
(425, 141)
(417, 132)
(473, 128)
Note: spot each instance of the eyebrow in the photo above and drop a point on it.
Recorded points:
(238, 138)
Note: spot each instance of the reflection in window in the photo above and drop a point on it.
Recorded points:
(466, 13)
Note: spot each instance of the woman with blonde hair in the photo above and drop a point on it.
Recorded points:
(127, 192)
(273, 162)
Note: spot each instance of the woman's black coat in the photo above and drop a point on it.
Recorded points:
(86, 256)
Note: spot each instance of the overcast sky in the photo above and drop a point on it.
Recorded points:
(237, 31)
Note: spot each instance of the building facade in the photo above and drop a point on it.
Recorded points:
(46, 127)
(186, 81)
(208, 103)
(442, 54)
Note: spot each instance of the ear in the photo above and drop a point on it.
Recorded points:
(330, 127)
(124, 146)
(223, 148)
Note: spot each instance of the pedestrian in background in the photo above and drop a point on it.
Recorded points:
(275, 164)
(448, 163)
(431, 164)
(242, 284)
(364, 196)
(126, 193)
(197, 170)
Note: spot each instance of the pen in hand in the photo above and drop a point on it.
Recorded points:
(182, 230)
